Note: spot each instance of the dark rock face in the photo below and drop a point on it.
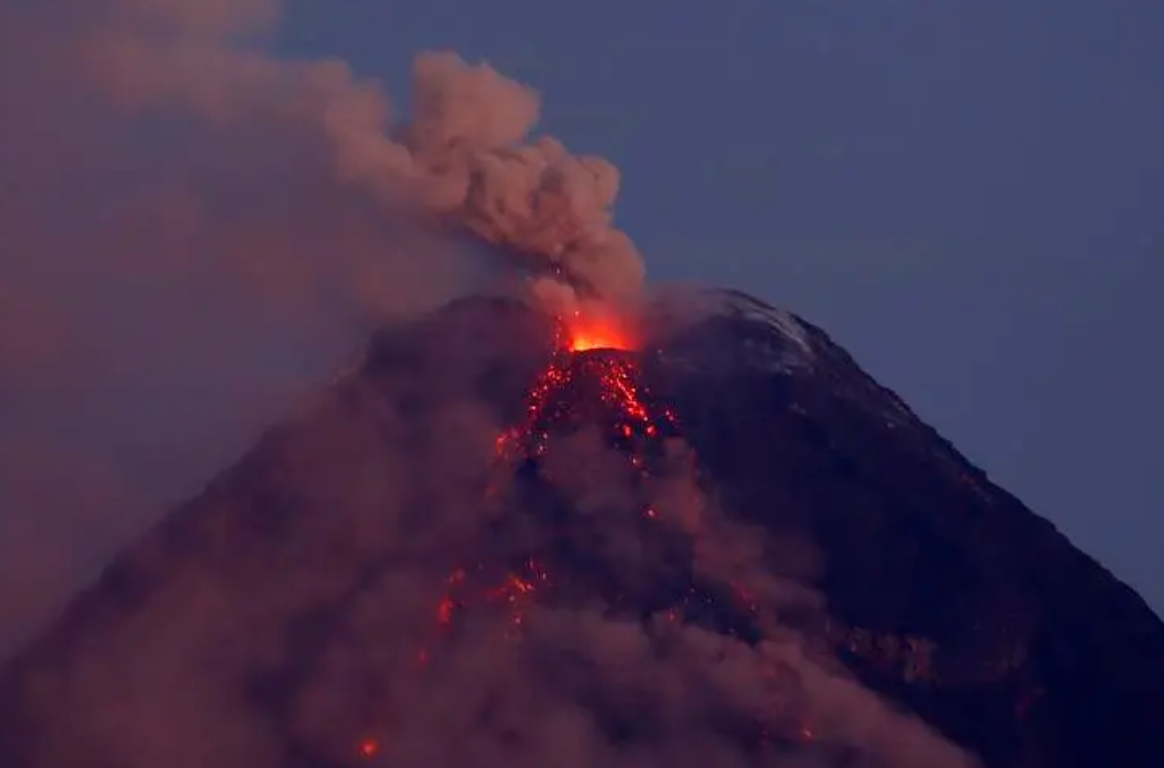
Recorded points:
(947, 593)
(941, 592)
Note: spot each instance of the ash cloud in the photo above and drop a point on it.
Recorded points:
(193, 231)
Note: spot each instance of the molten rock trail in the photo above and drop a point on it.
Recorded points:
(505, 540)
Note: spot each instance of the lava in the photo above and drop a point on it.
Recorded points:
(592, 348)
(615, 378)
(369, 748)
(514, 591)
(596, 330)
(591, 363)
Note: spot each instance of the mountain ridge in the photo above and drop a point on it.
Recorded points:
(932, 596)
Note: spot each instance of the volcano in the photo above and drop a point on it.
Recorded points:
(504, 540)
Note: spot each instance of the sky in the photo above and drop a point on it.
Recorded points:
(966, 194)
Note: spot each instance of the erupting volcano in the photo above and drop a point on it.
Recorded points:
(594, 379)
(597, 331)
(709, 539)
(593, 376)
(673, 529)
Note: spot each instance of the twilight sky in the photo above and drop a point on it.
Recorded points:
(967, 194)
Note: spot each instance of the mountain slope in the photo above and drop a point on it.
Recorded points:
(730, 546)
(1036, 646)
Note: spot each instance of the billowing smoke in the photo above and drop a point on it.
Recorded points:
(463, 155)
(192, 230)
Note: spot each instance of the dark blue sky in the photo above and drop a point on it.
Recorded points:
(967, 194)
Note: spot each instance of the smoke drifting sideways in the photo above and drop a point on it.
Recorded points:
(192, 230)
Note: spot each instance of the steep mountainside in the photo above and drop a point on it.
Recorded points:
(714, 548)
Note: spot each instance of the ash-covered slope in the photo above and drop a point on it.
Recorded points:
(730, 547)
(945, 591)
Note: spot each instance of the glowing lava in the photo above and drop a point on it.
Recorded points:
(369, 748)
(597, 331)
(563, 395)
(572, 379)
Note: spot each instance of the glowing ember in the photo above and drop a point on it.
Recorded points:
(571, 380)
(445, 611)
(369, 748)
(514, 591)
(616, 381)
(591, 340)
(593, 331)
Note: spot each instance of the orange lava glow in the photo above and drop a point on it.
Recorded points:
(510, 593)
(515, 591)
(597, 331)
(619, 389)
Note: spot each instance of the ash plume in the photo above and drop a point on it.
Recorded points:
(463, 155)
(192, 230)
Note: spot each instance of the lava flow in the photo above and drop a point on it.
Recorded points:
(592, 378)
(596, 332)
(592, 365)
(595, 368)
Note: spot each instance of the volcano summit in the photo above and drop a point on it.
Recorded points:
(504, 541)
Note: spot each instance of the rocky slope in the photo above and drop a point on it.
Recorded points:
(728, 546)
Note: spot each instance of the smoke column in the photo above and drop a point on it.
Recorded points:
(463, 157)
(192, 230)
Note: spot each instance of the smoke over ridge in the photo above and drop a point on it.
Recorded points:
(190, 230)
(463, 157)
